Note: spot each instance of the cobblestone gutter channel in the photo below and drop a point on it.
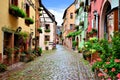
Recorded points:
(60, 64)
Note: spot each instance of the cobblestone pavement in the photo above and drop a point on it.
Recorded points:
(60, 64)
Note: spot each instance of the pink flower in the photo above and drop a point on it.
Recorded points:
(118, 75)
(99, 59)
(113, 69)
(106, 70)
(100, 74)
(117, 60)
(107, 62)
(109, 79)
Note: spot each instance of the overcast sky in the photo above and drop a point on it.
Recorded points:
(57, 7)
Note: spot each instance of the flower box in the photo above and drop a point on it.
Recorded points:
(47, 30)
(39, 30)
(29, 20)
(16, 11)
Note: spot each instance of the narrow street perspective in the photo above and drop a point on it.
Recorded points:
(60, 64)
(59, 39)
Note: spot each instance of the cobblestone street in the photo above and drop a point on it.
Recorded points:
(60, 64)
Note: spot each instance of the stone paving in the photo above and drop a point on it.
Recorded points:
(60, 64)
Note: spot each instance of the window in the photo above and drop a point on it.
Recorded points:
(47, 26)
(71, 15)
(71, 26)
(27, 10)
(47, 37)
(13, 2)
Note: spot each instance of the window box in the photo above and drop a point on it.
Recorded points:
(39, 30)
(47, 30)
(29, 20)
(16, 11)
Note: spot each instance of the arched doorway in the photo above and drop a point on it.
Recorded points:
(104, 29)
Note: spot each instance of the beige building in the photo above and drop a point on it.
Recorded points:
(68, 24)
(17, 28)
(48, 26)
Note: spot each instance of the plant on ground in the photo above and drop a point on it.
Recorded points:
(3, 67)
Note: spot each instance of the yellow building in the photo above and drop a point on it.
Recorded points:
(17, 28)
(68, 24)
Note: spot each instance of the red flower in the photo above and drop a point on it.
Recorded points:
(100, 74)
(113, 69)
(106, 70)
(117, 60)
(99, 59)
(118, 75)
(107, 62)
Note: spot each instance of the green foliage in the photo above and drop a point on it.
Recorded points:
(74, 43)
(47, 30)
(81, 4)
(39, 30)
(110, 55)
(39, 51)
(29, 20)
(3, 67)
(14, 10)
(23, 36)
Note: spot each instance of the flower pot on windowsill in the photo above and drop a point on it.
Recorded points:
(47, 30)
(29, 21)
(16, 11)
(39, 30)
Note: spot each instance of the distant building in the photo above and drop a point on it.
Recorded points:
(68, 24)
(48, 25)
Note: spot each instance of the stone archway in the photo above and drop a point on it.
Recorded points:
(103, 26)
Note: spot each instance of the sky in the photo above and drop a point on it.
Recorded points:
(57, 8)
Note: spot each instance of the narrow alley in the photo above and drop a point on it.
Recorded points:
(60, 64)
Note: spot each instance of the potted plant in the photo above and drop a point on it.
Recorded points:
(47, 30)
(39, 30)
(16, 11)
(29, 20)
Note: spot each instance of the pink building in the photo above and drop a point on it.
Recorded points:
(103, 16)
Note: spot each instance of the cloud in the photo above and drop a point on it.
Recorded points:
(58, 14)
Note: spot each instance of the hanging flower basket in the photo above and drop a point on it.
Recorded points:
(16, 11)
(29, 20)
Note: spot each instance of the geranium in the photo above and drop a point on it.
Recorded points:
(100, 74)
(118, 75)
(99, 59)
(105, 70)
(109, 79)
(117, 60)
(107, 62)
(113, 69)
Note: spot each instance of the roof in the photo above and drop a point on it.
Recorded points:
(67, 9)
(48, 12)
